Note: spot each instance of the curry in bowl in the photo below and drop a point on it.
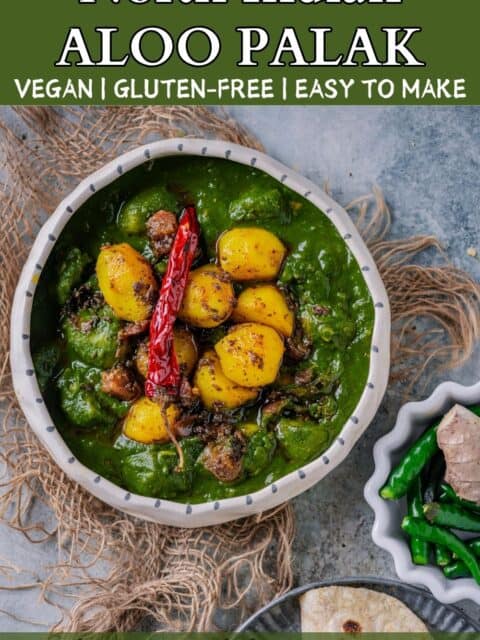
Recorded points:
(200, 330)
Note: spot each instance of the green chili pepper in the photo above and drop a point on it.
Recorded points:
(457, 569)
(414, 461)
(452, 515)
(447, 494)
(420, 549)
(433, 477)
(433, 474)
(421, 529)
(475, 546)
(404, 474)
(443, 557)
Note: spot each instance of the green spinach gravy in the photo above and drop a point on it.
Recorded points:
(315, 392)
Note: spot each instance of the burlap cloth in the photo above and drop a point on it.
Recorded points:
(120, 569)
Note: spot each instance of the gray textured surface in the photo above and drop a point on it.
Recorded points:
(427, 162)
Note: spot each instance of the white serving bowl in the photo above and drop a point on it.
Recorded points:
(413, 419)
(167, 511)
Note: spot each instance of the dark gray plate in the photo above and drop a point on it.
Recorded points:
(284, 614)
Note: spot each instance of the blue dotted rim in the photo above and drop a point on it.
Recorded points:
(273, 487)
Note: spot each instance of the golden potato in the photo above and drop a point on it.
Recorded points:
(209, 297)
(265, 303)
(215, 388)
(185, 349)
(127, 282)
(250, 253)
(145, 421)
(251, 354)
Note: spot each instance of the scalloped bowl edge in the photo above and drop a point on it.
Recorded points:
(412, 419)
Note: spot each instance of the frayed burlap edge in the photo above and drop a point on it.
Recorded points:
(435, 309)
(177, 577)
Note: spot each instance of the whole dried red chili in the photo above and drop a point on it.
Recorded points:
(163, 368)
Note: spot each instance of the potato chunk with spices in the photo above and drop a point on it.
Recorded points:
(215, 389)
(119, 382)
(250, 253)
(145, 421)
(251, 354)
(141, 358)
(265, 303)
(185, 350)
(127, 282)
(161, 230)
(224, 457)
(209, 297)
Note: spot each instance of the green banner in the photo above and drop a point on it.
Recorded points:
(239, 52)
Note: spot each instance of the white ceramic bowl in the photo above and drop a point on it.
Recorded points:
(412, 420)
(166, 511)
